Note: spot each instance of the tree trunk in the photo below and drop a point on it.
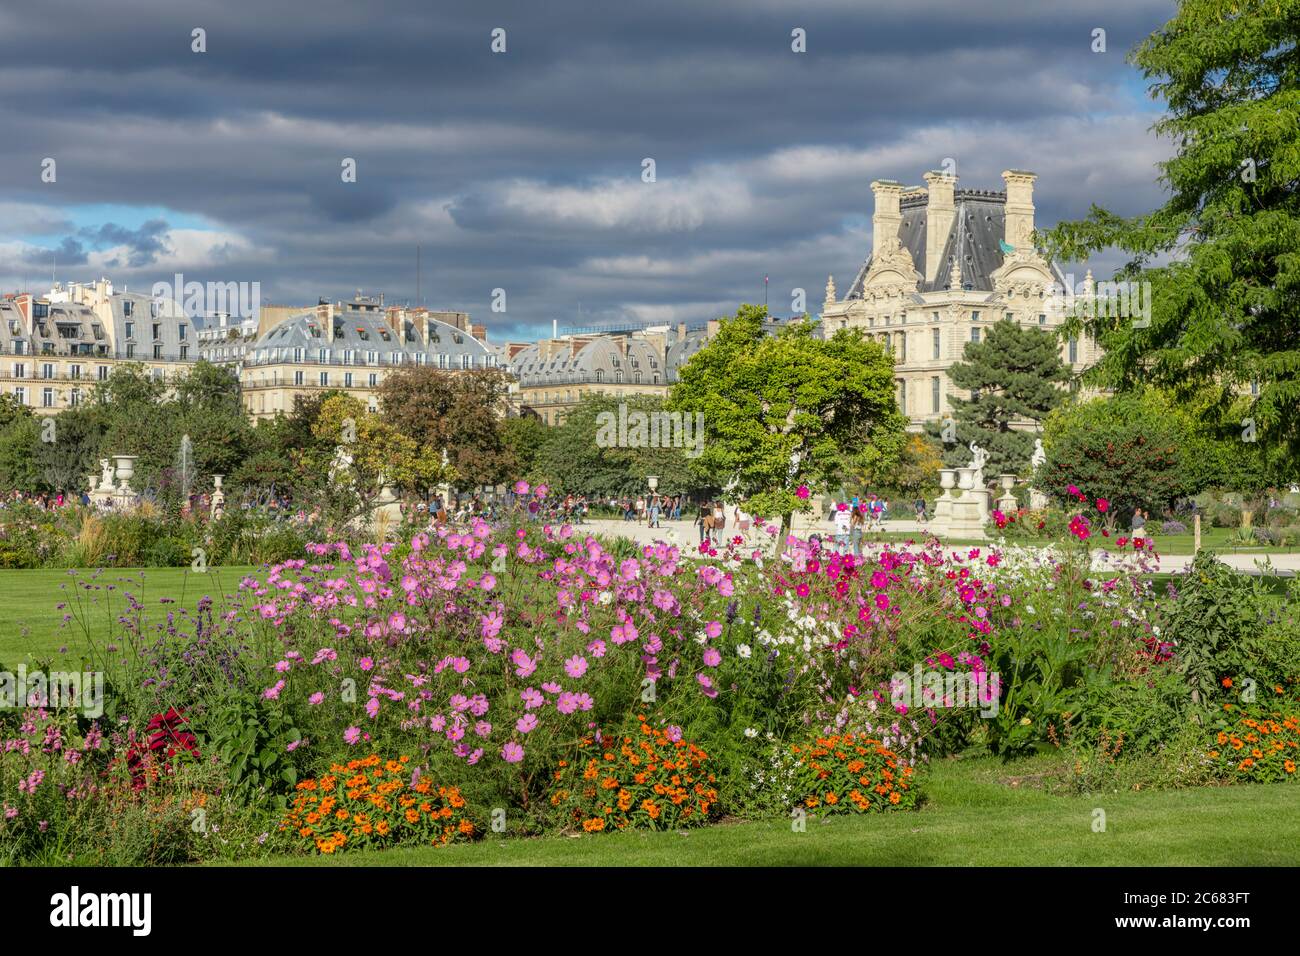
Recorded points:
(786, 522)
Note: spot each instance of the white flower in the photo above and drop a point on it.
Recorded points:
(1029, 609)
(743, 650)
(751, 732)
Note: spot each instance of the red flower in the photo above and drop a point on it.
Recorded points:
(1103, 505)
(801, 491)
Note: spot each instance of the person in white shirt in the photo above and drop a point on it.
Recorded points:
(843, 520)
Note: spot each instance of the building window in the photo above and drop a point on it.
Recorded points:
(600, 375)
(180, 331)
(157, 330)
(157, 351)
(130, 351)
(934, 394)
(1042, 319)
(937, 342)
(975, 316)
(74, 371)
(1011, 316)
(902, 346)
(324, 379)
(902, 395)
(374, 379)
(1074, 350)
(47, 370)
(975, 336)
(127, 308)
(74, 399)
(1254, 387)
(20, 395)
(20, 370)
(297, 377)
(47, 397)
(102, 372)
(185, 352)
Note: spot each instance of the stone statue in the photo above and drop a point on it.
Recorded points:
(1039, 456)
(107, 474)
(979, 458)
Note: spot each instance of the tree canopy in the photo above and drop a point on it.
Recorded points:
(1222, 254)
(790, 410)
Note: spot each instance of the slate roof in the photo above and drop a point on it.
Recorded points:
(979, 223)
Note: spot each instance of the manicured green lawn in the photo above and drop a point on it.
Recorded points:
(974, 817)
(31, 625)
(1215, 539)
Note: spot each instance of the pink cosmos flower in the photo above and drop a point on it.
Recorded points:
(575, 666)
(526, 723)
(711, 657)
(512, 752)
(316, 698)
(521, 487)
(351, 736)
(713, 629)
(802, 491)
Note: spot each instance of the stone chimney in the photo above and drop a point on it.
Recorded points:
(1020, 208)
(940, 210)
(887, 217)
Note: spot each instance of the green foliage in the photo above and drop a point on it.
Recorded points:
(1226, 307)
(1125, 449)
(582, 455)
(789, 409)
(1222, 627)
(1015, 374)
(525, 436)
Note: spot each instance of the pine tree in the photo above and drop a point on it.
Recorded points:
(1014, 376)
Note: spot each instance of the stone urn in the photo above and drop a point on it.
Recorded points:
(947, 479)
(965, 478)
(216, 484)
(125, 471)
(93, 479)
(1006, 482)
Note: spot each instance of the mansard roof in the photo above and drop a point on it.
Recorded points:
(978, 226)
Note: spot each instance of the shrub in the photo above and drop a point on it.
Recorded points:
(643, 778)
(844, 773)
(1173, 526)
(370, 803)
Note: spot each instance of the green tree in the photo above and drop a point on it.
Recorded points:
(789, 410)
(1226, 309)
(525, 436)
(462, 412)
(1014, 375)
(1125, 448)
(583, 455)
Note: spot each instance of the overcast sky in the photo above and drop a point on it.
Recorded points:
(522, 170)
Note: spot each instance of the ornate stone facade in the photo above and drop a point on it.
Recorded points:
(946, 264)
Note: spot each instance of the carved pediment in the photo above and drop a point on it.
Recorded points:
(1022, 274)
(892, 271)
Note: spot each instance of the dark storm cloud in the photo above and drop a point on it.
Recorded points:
(523, 170)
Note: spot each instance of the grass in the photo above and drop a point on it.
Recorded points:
(32, 626)
(1212, 539)
(975, 816)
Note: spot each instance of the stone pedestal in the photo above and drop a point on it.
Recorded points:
(970, 510)
(1007, 503)
(1037, 500)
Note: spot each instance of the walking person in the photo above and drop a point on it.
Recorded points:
(654, 511)
(855, 528)
(842, 524)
